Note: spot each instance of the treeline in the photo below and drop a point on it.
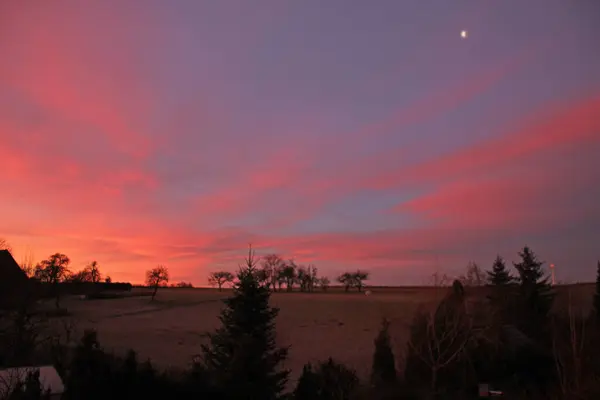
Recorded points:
(55, 279)
(507, 344)
(275, 273)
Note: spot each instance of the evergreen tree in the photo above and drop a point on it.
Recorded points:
(308, 386)
(328, 381)
(535, 295)
(501, 290)
(241, 357)
(499, 275)
(383, 371)
(89, 375)
(597, 294)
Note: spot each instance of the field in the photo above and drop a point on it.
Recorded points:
(317, 325)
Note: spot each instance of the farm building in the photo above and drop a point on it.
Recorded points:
(15, 286)
(50, 381)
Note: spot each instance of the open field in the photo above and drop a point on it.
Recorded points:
(315, 325)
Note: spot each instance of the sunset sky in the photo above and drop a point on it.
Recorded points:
(348, 134)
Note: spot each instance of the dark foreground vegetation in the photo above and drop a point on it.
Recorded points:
(507, 343)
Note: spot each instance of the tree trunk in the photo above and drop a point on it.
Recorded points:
(433, 382)
(57, 293)
(154, 293)
(219, 284)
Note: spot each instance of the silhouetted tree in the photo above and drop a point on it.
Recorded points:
(501, 294)
(353, 279)
(53, 271)
(280, 276)
(219, 278)
(597, 293)
(329, 381)
(383, 371)
(95, 374)
(499, 275)
(4, 245)
(289, 274)
(108, 279)
(303, 277)
(359, 277)
(156, 277)
(89, 373)
(272, 264)
(313, 280)
(27, 263)
(438, 345)
(474, 276)
(535, 295)
(263, 277)
(30, 388)
(92, 272)
(346, 280)
(324, 283)
(242, 358)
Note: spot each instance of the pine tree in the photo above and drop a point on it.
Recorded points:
(384, 364)
(308, 386)
(499, 275)
(241, 357)
(501, 290)
(597, 294)
(535, 295)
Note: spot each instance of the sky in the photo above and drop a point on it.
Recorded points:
(348, 134)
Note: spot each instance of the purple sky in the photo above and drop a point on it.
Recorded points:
(349, 134)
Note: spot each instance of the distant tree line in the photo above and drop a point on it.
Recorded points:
(275, 274)
(510, 342)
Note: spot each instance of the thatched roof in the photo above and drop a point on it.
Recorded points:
(14, 283)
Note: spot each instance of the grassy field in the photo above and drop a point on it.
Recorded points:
(317, 325)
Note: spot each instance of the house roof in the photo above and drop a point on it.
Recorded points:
(49, 379)
(13, 280)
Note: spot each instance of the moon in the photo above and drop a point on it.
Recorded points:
(464, 34)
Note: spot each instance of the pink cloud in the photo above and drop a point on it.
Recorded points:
(551, 130)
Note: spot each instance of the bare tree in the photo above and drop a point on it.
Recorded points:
(289, 274)
(93, 271)
(4, 245)
(439, 338)
(438, 279)
(474, 275)
(302, 277)
(312, 278)
(156, 277)
(219, 278)
(280, 276)
(324, 283)
(346, 280)
(569, 352)
(27, 263)
(271, 264)
(353, 279)
(53, 271)
(359, 277)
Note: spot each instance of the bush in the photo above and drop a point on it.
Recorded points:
(329, 381)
